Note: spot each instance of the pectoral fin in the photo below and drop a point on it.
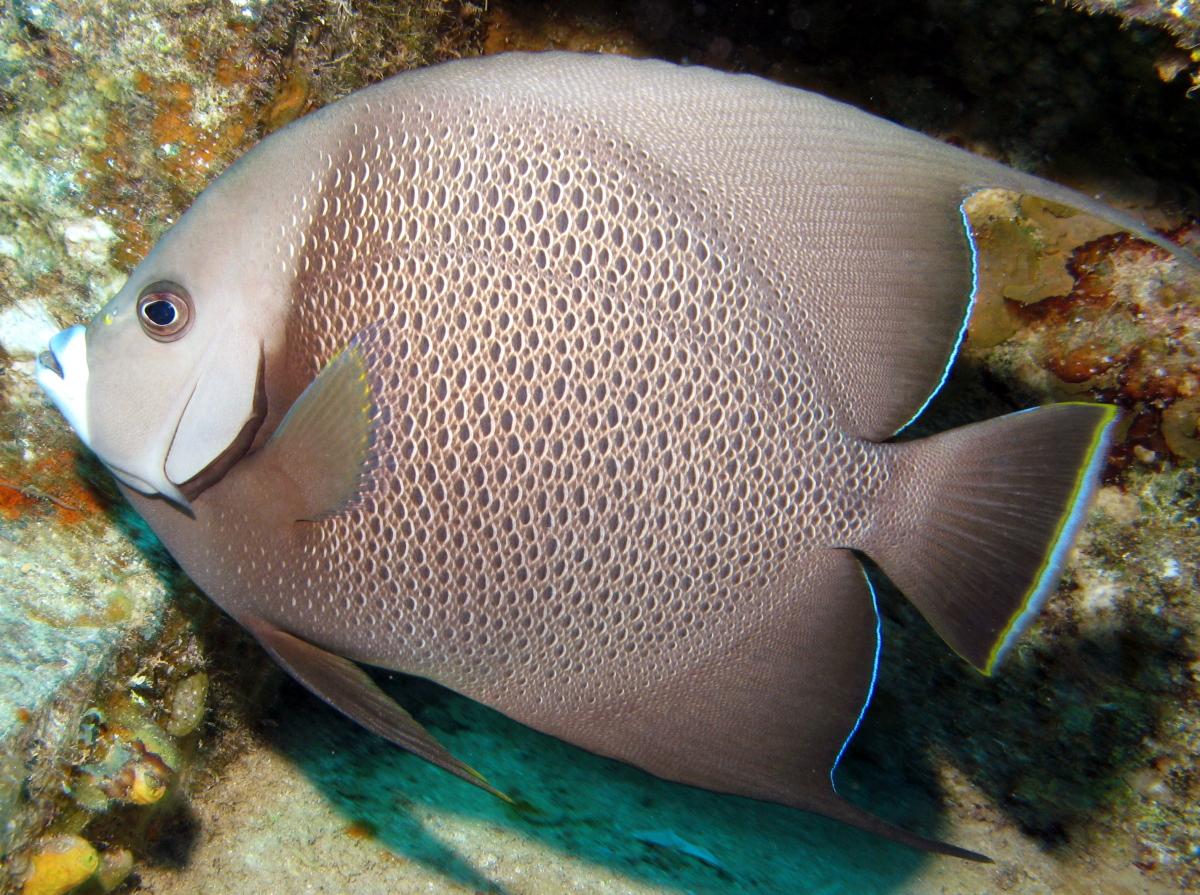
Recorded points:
(325, 445)
(345, 687)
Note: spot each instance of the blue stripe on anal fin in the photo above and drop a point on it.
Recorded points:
(835, 806)
(978, 520)
(874, 679)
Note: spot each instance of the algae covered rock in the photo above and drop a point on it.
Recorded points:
(114, 114)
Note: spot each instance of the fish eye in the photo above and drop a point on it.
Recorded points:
(164, 310)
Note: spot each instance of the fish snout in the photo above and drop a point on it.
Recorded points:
(62, 372)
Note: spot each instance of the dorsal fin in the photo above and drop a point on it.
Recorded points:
(994, 176)
(853, 220)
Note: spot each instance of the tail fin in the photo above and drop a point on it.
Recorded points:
(985, 515)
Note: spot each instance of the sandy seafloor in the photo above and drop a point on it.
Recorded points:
(319, 806)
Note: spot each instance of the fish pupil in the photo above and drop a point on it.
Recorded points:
(160, 313)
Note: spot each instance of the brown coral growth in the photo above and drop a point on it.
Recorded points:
(1128, 333)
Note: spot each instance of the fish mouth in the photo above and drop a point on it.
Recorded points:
(62, 372)
(48, 361)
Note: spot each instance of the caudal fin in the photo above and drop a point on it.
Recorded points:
(984, 517)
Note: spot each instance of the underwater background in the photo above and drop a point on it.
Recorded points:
(147, 744)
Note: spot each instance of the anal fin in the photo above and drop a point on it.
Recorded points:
(347, 688)
(770, 715)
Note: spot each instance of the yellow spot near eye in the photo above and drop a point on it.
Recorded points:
(108, 319)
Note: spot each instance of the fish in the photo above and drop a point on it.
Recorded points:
(569, 382)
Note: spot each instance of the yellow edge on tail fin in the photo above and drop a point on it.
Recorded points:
(1086, 484)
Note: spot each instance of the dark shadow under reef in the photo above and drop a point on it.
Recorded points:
(1055, 736)
(591, 808)
(1042, 86)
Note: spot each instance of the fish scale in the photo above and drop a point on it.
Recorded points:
(503, 360)
(566, 382)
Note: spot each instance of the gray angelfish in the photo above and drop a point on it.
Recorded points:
(565, 381)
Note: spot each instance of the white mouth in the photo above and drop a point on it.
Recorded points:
(62, 372)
